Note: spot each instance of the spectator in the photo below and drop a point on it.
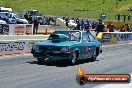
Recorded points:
(128, 29)
(35, 26)
(110, 27)
(78, 26)
(122, 28)
(94, 24)
(87, 25)
(129, 18)
(67, 21)
(77, 20)
(100, 27)
(82, 24)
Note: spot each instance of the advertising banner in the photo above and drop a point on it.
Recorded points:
(111, 38)
(124, 37)
(16, 47)
(20, 29)
(28, 29)
(106, 38)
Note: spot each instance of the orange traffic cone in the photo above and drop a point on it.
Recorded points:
(46, 32)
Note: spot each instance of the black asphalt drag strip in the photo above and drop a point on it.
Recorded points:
(24, 71)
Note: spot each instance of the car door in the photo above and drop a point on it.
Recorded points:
(86, 46)
(91, 44)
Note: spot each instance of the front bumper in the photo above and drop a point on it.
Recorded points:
(50, 56)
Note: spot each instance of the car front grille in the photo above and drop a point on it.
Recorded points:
(51, 54)
(50, 48)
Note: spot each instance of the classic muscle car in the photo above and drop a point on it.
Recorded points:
(70, 45)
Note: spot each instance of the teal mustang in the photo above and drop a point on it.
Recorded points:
(70, 45)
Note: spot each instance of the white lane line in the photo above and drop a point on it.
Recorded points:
(129, 85)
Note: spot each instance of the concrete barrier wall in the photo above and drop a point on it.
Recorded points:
(11, 44)
(18, 37)
(50, 29)
(17, 47)
(23, 44)
(21, 29)
(116, 38)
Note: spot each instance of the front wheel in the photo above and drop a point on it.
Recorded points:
(93, 58)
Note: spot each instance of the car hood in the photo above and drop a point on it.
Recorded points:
(72, 23)
(50, 43)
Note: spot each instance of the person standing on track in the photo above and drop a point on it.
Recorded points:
(100, 27)
(87, 25)
(35, 26)
(82, 24)
(78, 25)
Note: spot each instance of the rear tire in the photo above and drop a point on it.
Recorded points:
(96, 53)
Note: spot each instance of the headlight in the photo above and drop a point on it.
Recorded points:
(35, 47)
(65, 49)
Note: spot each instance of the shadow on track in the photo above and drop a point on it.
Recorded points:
(61, 63)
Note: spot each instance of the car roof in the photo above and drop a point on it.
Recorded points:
(71, 30)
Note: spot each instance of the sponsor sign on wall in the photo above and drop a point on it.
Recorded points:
(116, 38)
(28, 29)
(19, 46)
(106, 37)
(20, 29)
(12, 46)
(124, 37)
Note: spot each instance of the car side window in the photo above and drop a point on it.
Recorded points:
(85, 38)
(91, 38)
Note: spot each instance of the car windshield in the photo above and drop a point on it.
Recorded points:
(72, 35)
(17, 16)
(3, 15)
(71, 21)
